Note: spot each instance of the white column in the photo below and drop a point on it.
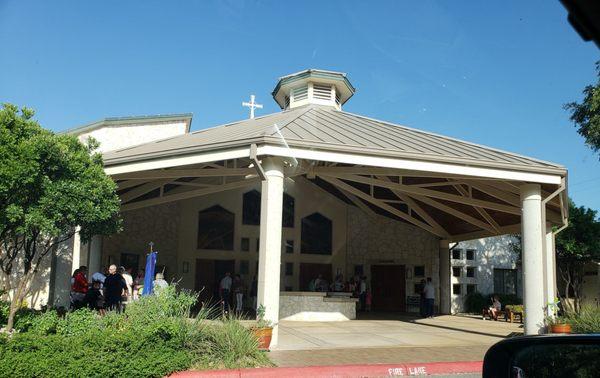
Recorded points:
(445, 307)
(269, 258)
(76, 256)
(533, 234)
(95, 257)
(549, 270)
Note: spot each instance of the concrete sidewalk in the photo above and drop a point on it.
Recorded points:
(444, 338)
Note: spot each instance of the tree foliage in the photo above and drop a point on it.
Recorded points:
(49, 185)
(576, 246)
(586, 115)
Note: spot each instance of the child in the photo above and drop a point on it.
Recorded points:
(368, 300)
(95, 299)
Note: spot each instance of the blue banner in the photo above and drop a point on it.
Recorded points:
(149, 274)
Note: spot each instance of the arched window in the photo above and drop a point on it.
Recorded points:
(215, 228)
(316, 235)
(251, 208)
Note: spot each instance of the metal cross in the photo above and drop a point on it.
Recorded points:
(252, 105)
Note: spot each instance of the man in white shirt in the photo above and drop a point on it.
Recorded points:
(429, 292)
(128, 281)
(225, 289)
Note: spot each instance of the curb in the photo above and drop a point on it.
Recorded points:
(339, 371)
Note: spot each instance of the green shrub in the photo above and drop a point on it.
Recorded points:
(475, 302)
(587, 321)
(153, 338)
(509, 299)
(228, 344)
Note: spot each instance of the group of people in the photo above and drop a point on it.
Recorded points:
(110, 289)
(357, 285)
(233, 290)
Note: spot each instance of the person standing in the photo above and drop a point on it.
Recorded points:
(99, 276)
(429, 292)
(238, 290)
(138, 284)
(422, 301)
(126, 273)
(225, 290)
(114, 288)
(159, 282)
(79, 288)
(362, 293)
(254, 292)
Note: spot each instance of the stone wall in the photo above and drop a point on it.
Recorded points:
(303, 306)
(157, 224)
(381, 240)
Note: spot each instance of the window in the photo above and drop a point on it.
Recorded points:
(245, 245)
(419, 271)
(470, 271)
(215, 228)
(456, 271)
(257, 245)
(419, 288)
(289, 246)
(505, 281)
(287, 218)
(456, 254)
(316, 235)
(244, 266)
(289, 269)
(470, 254)
(456, 289)
(251, 208)
(471, 289)
(359, 270)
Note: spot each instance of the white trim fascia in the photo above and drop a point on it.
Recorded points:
(405, 164)
(178, 161)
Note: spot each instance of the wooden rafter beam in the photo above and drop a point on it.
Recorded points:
(433, 194)
(143, 189)
(390, 209)
(418, 209)
(359, 203)
(480, 210)
(189, 194)
(130, 183)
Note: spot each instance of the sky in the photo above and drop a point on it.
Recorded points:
(493, 73)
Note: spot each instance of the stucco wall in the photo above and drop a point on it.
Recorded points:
(120, 136)
(491, 253)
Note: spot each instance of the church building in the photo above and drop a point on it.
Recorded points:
(314, 190)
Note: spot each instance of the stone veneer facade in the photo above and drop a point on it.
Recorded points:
(358, 239)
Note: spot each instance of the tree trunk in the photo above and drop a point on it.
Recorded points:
(17, 301)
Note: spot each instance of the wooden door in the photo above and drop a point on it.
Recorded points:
(205, 280)
(310, 271)
(388, 287)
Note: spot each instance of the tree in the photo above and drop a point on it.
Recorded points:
(49, 186)
(586, 115)
(576, 246)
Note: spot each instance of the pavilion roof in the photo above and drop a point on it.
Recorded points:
(325, 128)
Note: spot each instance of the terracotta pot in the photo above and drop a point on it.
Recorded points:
(560, 328)
(264, 337)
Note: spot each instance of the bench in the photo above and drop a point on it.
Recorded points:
(513, 312)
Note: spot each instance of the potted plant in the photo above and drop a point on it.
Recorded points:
(558, 324)
(263, 330)
(555, 323)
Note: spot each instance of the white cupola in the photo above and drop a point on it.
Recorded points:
(319, 87)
